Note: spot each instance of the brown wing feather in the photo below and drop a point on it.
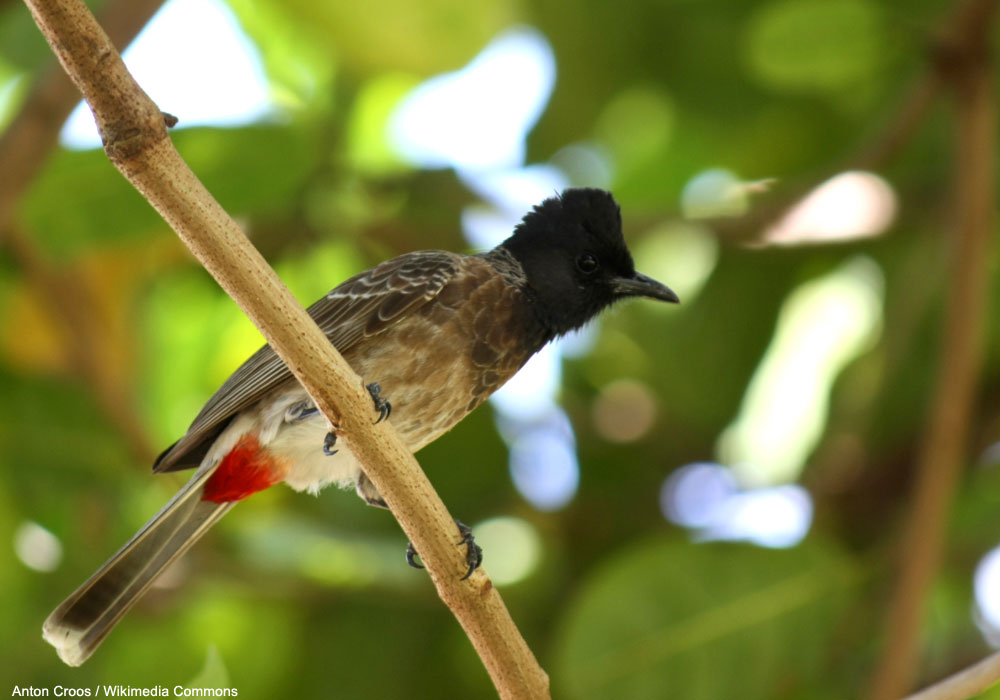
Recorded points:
(365, 305)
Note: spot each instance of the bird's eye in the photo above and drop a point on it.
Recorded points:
(587, 263)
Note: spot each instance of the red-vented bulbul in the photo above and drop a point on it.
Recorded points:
(438, 331)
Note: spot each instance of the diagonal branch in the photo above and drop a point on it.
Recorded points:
(132, 129)
(965, 684)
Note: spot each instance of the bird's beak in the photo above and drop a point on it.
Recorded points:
(639, 285)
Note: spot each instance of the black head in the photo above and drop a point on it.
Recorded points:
(573, 253)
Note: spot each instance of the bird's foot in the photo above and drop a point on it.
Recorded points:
(382, 406)
(328, 442)
(300, 410)
(473, 555)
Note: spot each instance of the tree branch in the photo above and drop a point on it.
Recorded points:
(964, 684)
(965, 68)
(135, 139)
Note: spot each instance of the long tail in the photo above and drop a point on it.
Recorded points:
(78, 626)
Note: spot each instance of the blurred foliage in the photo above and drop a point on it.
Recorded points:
(638, 627)
(296, 596)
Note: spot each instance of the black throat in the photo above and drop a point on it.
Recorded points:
(538, 326)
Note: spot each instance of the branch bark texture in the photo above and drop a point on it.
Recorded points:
(965, 684)
(135, 139)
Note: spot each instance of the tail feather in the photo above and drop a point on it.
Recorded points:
(78, 626)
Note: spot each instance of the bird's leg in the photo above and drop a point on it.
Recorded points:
(304, 410)
(366, 489)
(382, 406)
(300, 410)
(473, 555)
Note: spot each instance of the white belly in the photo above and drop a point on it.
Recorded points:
(298, 443)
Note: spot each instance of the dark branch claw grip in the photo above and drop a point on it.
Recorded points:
(328, 442)
(473, 555)
(382, 406)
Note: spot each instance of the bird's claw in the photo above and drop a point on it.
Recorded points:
(411, 554)
(328, 442)
(382, 406)
(473, 555)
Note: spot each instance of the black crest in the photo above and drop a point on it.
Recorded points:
(573, 253)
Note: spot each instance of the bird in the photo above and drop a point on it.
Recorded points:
(437, 332)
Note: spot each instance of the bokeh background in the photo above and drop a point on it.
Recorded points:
(701, 501)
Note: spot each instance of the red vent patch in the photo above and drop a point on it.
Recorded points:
(245, 470)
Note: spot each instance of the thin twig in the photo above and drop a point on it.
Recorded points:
(964, 684)
(135, 139)
(964, 67)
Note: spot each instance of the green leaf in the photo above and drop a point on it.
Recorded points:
(671, 618)
(80, 199)
(425, 37)
(815, 45)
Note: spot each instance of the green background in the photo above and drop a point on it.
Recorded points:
(294, 596)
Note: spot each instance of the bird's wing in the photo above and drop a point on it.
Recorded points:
(365, 305)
